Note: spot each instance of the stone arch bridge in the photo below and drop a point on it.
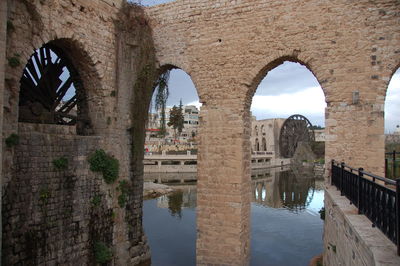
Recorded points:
(227, 47)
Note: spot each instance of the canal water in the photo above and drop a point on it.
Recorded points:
(286, 228)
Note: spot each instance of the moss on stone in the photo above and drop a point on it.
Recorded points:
(107, 165)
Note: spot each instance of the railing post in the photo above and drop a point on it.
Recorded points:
(341, 178)
(360, 177)
(332, 164)
(386, 166)
(394, 164)
(398, 215)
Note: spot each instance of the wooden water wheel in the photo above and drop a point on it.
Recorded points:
(47, 92)
(295, 129)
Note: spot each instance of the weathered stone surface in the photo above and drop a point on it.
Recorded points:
(226, 47)
(349, 238)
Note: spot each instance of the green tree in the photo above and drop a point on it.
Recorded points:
(176, 120)
(182, 119)
(160, 99)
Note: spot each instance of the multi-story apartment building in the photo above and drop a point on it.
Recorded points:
(189, 131)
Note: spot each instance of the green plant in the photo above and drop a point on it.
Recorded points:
(96, 200)
(102, 253)
(101, 162)
(124, 188)
(332, 246)
(44, 195)
(14, 61)
(322, 213)
(60, 163)
(10, 26)
(12, 140)
(161, 97)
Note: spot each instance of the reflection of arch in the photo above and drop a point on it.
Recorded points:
(264, 144)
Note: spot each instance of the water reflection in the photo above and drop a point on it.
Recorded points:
(274, 187)
(285, 224)
(175, 202)
(284, 190)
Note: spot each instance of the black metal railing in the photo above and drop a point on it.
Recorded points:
(391, 167)
(376, 197)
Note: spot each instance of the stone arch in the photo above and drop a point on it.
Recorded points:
(264, 144)
(90, 82)
(391, 139)
(37, 66)
(171, 66)
(256, 130)
(257, 145)
(262, 69)
(89, 76)
(392, 73)
(34, 34)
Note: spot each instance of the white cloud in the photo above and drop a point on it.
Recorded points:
(309, 102)
(195, 103)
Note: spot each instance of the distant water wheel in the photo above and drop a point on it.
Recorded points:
(47, 93)
(295, 129)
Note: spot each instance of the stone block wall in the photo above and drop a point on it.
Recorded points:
(56, 216)
(50, 215)
(349, 238)
(89, 33)
(227, 47)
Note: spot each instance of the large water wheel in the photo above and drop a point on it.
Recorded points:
(47, 93)
(295, 129)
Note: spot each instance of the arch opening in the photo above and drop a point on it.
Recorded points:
(288, 89)
(175, 141)
(52, 90)
(392, 126)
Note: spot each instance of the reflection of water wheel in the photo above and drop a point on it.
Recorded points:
(295, 129)
(47, 93)
(296, 193)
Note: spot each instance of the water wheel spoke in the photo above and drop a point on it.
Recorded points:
(30, 89)
(42, 58)
(45, 82)
(68, 105)
(38, 63)
(32, 71)
(48, 56)
(62, 91)
(295, 129)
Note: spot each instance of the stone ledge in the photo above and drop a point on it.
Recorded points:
(377, 248)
